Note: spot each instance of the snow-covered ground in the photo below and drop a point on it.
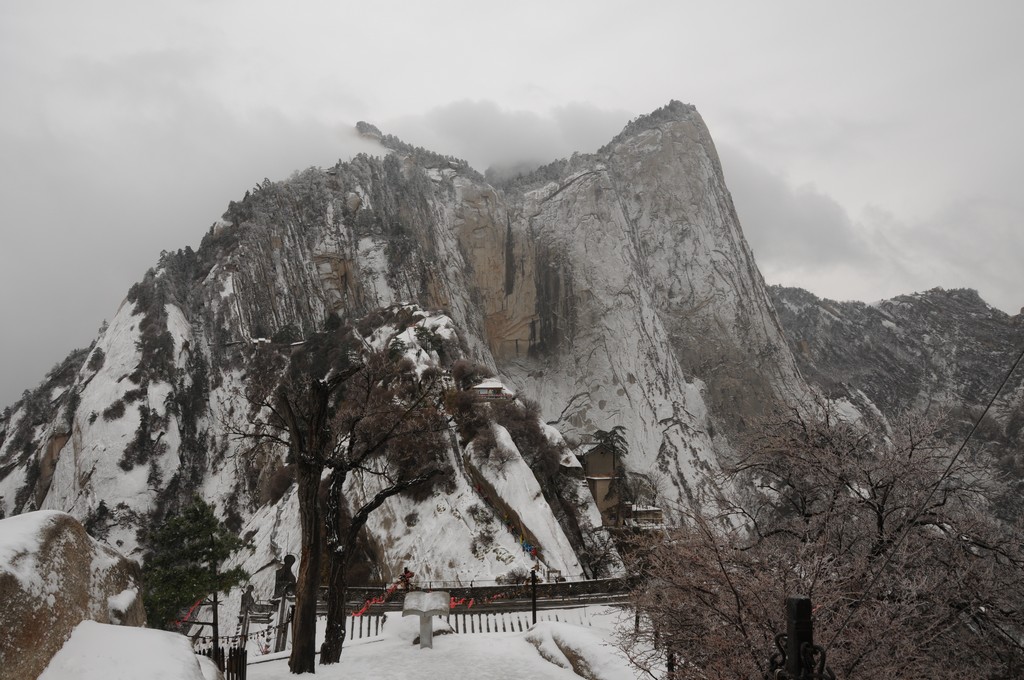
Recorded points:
(549, 651)
(98, 651)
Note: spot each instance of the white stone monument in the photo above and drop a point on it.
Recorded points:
(426, 606)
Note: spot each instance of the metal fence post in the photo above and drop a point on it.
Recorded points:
(218, 655)
(799, 631)
(281, 641)
(533, 587)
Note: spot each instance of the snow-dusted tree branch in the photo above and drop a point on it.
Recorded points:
(911, 573)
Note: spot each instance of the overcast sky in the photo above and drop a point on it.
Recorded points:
(872, 148)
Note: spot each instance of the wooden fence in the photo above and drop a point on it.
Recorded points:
(510, 621)
(463, 622)
(366, 626)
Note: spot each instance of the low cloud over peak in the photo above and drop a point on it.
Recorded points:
(486, 134)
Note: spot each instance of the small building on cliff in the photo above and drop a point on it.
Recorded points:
(603, 472)
(492, 388)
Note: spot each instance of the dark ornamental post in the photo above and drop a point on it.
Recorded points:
(218, 655)
(799, 631)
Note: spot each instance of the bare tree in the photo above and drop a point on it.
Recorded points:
(392, 428)
(600, 554)
(643, 488)
(293, 398)
(891, 537)
(343, 408)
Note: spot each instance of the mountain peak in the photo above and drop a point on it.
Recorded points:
(674, 111)
(369, 130)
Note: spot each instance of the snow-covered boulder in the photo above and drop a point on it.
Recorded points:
(579, 650)
(102, 652)
(53, 576)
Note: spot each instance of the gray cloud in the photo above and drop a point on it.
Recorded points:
(793, 228)
(161, 161)
(147, 163)
(127, 127)
(803, 237)
(974, 242)
(486, 134)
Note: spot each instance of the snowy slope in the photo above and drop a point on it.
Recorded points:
(453, 536)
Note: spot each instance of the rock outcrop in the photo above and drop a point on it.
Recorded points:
(53, 576)
(936, 351)
(645, 307)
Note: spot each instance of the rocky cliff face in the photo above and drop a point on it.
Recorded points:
(942, 353)
(53, 576)
(644, 304)
(613, 289)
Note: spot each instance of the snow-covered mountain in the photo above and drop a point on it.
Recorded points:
(926, 350)
(940, 353)
(612, 289)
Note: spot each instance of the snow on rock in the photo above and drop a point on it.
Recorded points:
(450, 537)
(375, 267)
(87, 470)
(580, 650)
(846, 410)
(516, 487)
(99, 651)
(453, 536)
(122, 602)
(10, 486)
(52, 577)
(19, 542)
(180, 330)
(569, 458)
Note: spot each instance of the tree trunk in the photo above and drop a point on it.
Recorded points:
(334, 636)
(303, 657)
(330, 652)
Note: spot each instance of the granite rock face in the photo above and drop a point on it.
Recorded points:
(940, 353)
(913, 352)
(53, 576)
(613, 288)
(648, 309)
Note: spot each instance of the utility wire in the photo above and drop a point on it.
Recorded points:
(945, 474)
